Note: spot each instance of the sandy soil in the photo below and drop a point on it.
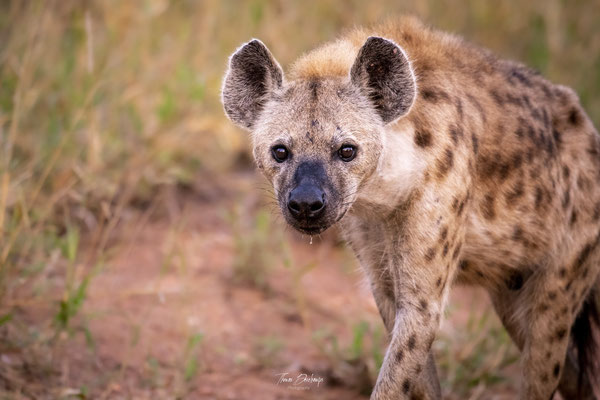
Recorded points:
(170, 320)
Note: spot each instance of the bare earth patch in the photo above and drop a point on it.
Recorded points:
(170, 316)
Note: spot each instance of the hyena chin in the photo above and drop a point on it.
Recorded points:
(442, 164)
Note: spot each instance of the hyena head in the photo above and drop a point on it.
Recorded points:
(317, 139)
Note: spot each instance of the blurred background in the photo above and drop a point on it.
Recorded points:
(142, 257)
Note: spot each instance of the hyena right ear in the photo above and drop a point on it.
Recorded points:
(253, 73)
(383, 73)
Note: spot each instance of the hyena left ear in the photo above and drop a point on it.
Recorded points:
(252, 75)
(383, 73)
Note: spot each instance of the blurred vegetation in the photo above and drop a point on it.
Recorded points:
(103, 104)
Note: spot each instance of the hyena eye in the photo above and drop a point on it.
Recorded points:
(347, 152)
(280, 153)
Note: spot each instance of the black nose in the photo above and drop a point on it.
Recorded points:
(306, 202)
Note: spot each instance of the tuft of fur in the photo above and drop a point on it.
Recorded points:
(329, 60)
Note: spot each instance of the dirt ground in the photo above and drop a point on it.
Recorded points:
(169, 317)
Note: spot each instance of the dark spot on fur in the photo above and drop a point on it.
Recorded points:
(456, 133)
(544, 377)
(596, 214)
(412, 342)
(583, 183)
(564, 310)
(566, 199)
(475, 142)
(556, 370)
(514, 100)
(445, 250)
(461, 207)
(455, 204)
(456, 252)
(423, 138)
(487, 207)
(515, 281)
(489, 165)
(552, 295)
(423, 305)
(585, 253)
(573, 217)
(497, 97)
(574, 117)
(530, 154)
(405, 386)
(459, 108)
(503, 171)
(445, 163)
(388, 284)
(443, 234)
(399, 356)
(562, 272)
(520, 131)
(438, 282)
(430, 254)
(515, 75)
(516, 160)
(557, 137)
(561, 333)
(309, 137)
(531, 133)
(568, 286)
(517, 233)
(314, 88)
(434, 96)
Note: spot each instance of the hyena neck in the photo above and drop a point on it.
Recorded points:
(399, 170)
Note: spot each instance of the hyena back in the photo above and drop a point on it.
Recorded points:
(442, 164)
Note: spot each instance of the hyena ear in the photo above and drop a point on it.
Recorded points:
(253, 73)
(382, 72)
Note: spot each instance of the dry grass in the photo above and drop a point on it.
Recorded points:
(107, 106)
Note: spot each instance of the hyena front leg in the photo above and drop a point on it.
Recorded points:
(384, 298)
(408, 369)
(421, 279)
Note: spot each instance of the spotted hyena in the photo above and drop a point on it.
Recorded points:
(442, 164)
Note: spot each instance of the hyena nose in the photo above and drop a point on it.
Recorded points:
(306, 202)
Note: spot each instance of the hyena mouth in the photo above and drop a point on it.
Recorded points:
(311, 230)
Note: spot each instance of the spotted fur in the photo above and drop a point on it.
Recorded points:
(470, 169)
